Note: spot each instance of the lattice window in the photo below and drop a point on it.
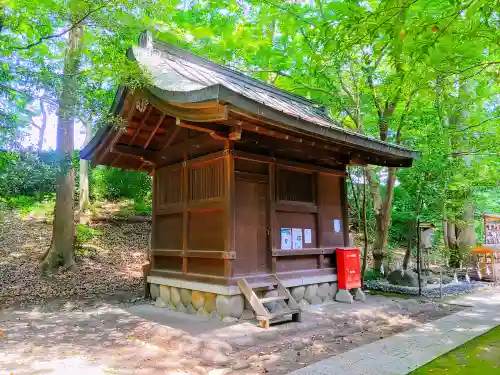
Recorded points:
(207, 181)
(169, 185)
(295, 186)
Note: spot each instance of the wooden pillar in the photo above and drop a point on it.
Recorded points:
(271, 230)
(345, 210)
(229, 243)
(152, 242)
(185, 214)
(319, 219)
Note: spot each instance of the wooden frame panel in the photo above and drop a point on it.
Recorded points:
(219, 200)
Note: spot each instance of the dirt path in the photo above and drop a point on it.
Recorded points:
(143, 339)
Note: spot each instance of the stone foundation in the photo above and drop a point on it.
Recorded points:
(233, 307)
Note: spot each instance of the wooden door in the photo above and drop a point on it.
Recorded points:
(251, 228)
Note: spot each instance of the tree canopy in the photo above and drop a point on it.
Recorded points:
(420, 73)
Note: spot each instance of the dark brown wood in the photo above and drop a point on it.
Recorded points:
(256, 280)
(300, 167)
(255, 177)
(230, 189)
(199, 161)
(299, 252)
(251, 228)
(321, 261)
(141, 124)
(135, 151)
(299, 146)
(319, 212)
(345, 210)
(259, 129)
(167, 232)
(185, 215)
(191, 145)
(155, 129)
(296, 206)
(211, 254)
(152, 242)
(228, 268)
(330, 208)
(128, 111)
(203, 278)
(271, 215)
(168, 253)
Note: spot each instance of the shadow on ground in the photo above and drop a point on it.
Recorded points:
(144, 339)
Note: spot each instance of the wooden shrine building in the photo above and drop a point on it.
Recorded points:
(249, 180)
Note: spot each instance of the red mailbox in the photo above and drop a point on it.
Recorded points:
(348, 268)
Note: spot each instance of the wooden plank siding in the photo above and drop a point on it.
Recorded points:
(220, 215)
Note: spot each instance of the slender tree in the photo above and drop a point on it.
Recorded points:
(61, 252)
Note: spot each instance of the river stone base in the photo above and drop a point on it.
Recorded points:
(205, 304)
(344, 296)
(360, 295)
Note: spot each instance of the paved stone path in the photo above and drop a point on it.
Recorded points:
(407, 351)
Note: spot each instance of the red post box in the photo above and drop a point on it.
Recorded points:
(348, 268)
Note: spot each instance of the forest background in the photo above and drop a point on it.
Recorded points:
(423, 74)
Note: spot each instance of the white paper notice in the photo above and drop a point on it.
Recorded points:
(336, 225)
(307, 235)
(297, 238)
(286, 238)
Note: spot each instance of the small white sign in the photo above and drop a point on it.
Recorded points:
(307, 235)
(336, 225)
(297, 238)
(286, 238)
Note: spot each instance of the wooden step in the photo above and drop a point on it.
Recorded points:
(265, 317)
(280, 314)
(273, 299)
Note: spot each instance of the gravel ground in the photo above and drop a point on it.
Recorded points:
(109, 267)
(78, 323)
(431, 291)
(78, 337)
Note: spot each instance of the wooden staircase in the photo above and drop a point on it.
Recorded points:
(263, 315)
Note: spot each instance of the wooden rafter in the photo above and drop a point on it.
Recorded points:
(146, 155)
(141, 124)
(171, 137)
(158, 123)
(185, 145)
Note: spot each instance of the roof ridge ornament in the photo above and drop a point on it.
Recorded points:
(146, 40)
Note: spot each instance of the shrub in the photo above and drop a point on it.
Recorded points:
(112, 184)
(372, 274)
(83, 234)
(27, 173)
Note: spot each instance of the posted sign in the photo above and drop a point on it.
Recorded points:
(492, 231)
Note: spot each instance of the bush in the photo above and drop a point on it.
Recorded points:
(372, 274)
(113, 184)
(34, 205)
(83, 234)
(27, 173)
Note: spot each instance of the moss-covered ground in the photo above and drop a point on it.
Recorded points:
(480, 356)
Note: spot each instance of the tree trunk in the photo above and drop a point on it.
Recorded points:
(61, 252)
(467, 236)
(411, 233)
(445, 235)
(84, 198)
(382, 210)
(365, 233)
(43, 126)
(455, 256)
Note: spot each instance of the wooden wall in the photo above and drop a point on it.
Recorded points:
(220, 216)
(190, 216)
